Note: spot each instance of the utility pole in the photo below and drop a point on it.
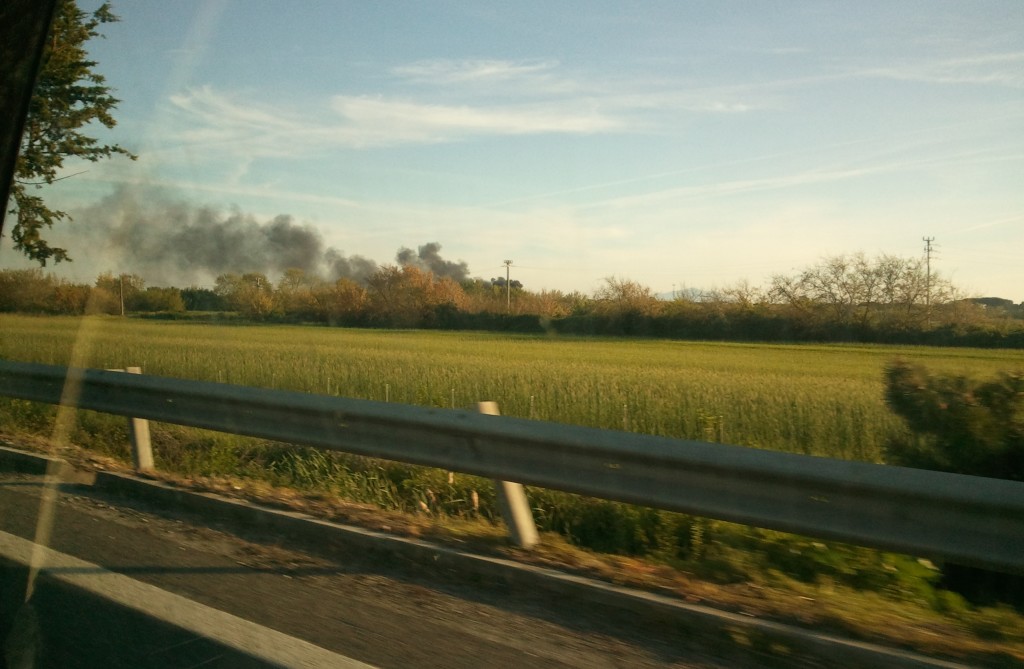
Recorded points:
(928, 271)
(508, 286)
(121, 293)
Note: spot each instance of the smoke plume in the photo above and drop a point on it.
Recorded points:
(356, 268)
(429, 259)
(169, 242)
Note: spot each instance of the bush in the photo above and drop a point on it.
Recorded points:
(965, 427)
(958, 425)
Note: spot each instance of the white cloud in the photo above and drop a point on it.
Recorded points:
(210, 118)
(497, 79)
(734, 187)
(996, 69)
(381, 121)
(1016, 218)
(468, 98)
(446, 71)
(804, 178)
(221, 111)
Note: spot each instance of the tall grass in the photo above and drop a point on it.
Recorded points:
(822, 400)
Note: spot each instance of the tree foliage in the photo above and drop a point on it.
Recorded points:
(195, 298)
(157, 299)
(69, 97)
(32, 291)
(251, 294)
(408, 296)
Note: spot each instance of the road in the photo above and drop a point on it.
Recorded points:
(378, 612)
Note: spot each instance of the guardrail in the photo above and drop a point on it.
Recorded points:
(931, 514)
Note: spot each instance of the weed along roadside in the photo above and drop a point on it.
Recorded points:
(743, 637)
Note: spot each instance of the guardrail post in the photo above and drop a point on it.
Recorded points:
(515, 509)
(138, 431)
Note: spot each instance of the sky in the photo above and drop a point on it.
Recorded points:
(678, 144)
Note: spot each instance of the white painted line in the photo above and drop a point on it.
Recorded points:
(257, 641)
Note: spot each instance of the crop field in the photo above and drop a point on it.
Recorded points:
(824, 400)
(815, 399)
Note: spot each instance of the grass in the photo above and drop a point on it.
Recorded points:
(821, 400)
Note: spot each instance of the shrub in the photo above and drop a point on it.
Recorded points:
(958, 425)
(965, 427)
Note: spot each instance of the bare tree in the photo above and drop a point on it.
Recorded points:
(856, 290)
(621, 296)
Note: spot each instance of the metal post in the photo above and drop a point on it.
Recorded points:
(138, 431)
(508, 287)
(515, 509)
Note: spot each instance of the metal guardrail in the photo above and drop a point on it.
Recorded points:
(932, 514)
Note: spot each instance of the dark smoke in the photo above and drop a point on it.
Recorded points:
(429, 259)
(356, 268)
(169, 242)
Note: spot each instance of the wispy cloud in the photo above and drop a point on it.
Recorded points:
(447, 100)
(208, 118)
(447, 71)
(628, 92)
(996, 69)
(799, 179)
(383, 121)
(496, 79)
(787, 51)
(211, 119)
(1016, 218)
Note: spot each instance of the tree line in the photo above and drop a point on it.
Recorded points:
(841, 298)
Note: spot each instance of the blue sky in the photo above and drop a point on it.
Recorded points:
(675, 143)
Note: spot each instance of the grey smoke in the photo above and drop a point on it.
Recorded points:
(429, 259)
(170, 242)
(356, 268)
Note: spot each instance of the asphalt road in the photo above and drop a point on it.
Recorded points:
(379, 612)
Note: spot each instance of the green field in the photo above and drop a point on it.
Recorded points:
(817, 399)
(814, 399)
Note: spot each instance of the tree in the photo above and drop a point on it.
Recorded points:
(122, 289)
(202, 299)
(71, 298)
(69, 96)
(250, 294)
(851, 290)
(297, 295)
(618, 297)
(343, 302)
(155, 299)
(408, 296)
(499, 282)
(26, 290)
